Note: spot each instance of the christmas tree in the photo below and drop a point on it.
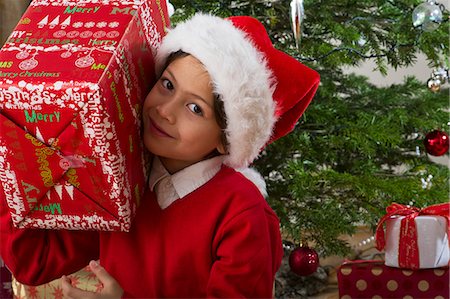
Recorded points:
(358, 147)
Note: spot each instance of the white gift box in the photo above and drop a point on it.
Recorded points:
(432, 240)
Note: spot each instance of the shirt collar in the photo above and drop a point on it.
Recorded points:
(169, 188)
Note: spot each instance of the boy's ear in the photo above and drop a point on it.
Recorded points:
(221, 149)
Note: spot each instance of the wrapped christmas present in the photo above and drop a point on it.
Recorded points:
(83, 279)
(373, 279)
(73, 77)
(415, 238)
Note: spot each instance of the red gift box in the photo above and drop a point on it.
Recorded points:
(73, 76)
(373, 279)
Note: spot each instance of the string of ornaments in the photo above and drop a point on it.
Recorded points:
(303, 260)
(428, 16)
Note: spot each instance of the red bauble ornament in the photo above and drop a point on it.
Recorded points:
(303, 261)
(436, 143)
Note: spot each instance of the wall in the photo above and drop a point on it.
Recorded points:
(10, 13)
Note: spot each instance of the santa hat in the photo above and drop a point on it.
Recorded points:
(264, 90)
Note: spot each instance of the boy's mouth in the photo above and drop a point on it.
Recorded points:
(155, 129)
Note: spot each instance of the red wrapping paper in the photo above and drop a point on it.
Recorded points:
(73, 76)
(372, 279)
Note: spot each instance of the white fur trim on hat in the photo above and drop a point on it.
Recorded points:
(239, 74)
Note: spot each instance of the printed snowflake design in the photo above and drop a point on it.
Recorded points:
(101, 24)
(57, 293)
(77, 24)
(89, 24)
(113, 24)
(33, 292)
(75, 279)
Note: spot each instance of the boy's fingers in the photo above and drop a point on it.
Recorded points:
(110, 285)
(65, 284)
(101, 273)
(111, 289)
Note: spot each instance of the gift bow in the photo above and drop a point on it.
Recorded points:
(408, 251)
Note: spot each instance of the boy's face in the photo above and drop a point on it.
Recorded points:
(179, 120)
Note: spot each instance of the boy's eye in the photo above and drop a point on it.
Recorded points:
(195, 108)
(167, 84)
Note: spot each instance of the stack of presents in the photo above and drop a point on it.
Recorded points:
(73, 77)
(416, 257)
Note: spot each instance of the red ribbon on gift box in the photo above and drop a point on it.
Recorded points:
(408, 251)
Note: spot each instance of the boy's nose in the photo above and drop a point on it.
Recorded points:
(167, 111)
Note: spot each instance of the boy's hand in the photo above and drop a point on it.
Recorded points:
(111, 289)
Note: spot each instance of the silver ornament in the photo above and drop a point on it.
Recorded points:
(440, 74)
(428, 16)
(297, 16)
(434, 84)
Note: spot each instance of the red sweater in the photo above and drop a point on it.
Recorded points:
(222, 240)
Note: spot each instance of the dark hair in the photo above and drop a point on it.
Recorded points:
(219, 110)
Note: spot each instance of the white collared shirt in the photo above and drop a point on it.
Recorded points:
(169, 188)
